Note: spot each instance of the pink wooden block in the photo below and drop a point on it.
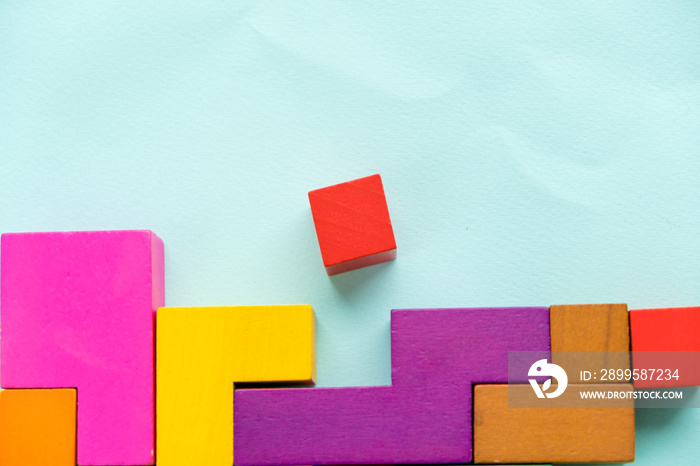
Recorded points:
(78, 310)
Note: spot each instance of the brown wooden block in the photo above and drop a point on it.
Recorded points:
(574, 433)
(590, 337)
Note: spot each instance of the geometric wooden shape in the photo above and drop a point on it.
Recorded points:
(667, 339)
(423, 417)
(202, 352)
(590, 327)
(78, 312)
(37, 427)
(590, 337)
(567, 432)
(353, 225)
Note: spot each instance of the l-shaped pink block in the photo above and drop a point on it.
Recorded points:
(78, 310)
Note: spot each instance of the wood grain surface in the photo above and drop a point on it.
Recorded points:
(591, 337)
(558, 434)
(202, 352)
(353, 225)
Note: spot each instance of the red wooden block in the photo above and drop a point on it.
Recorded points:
(666, 340)
(353, 225)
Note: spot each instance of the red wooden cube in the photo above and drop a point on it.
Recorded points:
(666, 346)
(353, 225)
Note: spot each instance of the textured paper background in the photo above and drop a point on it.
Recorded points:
(533, 153)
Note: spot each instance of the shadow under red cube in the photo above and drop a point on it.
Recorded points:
(353, 225)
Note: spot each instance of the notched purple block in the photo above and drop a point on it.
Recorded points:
(423, 417)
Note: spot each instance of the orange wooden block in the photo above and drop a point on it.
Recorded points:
(600, 329)
(37, 427)
(570, 431)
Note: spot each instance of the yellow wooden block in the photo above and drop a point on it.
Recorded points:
(201, 352)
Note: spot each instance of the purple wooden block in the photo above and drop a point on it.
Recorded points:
(423, 417)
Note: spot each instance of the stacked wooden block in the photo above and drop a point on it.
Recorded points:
(85, 332)
(562, 434)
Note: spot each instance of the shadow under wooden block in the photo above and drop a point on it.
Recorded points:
(590, 337)
(202, 352)
(667, 340)
(78, 311)
(37, 427)
(568, 429)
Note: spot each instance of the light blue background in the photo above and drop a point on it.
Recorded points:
(533, 153)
